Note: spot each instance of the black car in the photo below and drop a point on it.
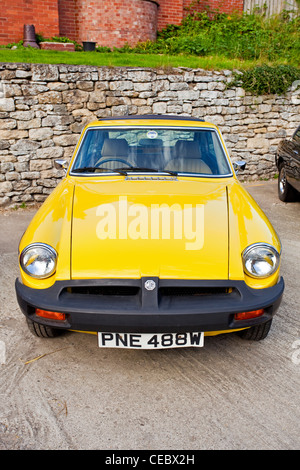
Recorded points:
(288, 163)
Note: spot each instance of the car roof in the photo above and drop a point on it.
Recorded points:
(152, 119)
(153, 116)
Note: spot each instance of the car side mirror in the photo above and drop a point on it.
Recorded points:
(241, 165)
(60, 164)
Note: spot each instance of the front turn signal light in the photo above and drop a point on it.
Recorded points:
(50, 315)
(248, 315)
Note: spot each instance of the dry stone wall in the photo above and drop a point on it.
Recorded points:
(43, 109)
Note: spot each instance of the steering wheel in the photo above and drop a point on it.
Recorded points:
(115, 160)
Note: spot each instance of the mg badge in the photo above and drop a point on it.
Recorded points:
(150, 285)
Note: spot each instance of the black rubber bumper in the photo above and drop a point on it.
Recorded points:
(126, 306)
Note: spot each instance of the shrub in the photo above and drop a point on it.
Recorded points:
(264, 79)
(243, 36)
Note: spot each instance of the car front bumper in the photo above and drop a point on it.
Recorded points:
(173, 306)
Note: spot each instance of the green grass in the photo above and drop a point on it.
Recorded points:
(118, 59)
(207, 40)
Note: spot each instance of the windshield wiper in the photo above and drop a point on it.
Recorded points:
(122, 171)
(149, 170)
(91, 169)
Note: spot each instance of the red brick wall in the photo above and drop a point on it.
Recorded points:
(173, 11)
(169, 12)
(225, 6)
(108, 22)
(43, 14)
(113, 23)
(67, 18)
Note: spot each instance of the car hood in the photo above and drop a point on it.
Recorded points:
(132, 228)
(81, 220)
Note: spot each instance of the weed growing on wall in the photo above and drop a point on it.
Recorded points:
(263, 80)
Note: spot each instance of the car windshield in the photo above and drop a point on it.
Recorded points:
(184, 150)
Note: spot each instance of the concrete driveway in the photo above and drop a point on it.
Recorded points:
(231, 394)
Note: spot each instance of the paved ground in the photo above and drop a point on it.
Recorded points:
(231, 394)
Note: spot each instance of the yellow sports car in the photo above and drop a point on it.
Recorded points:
(150, 241)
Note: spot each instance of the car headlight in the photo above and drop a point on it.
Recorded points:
(260, 260)
(38, 260)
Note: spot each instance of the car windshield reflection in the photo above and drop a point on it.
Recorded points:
(172, 151)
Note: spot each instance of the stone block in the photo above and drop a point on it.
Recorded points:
(13, 134)
(13, 175)
(42, 133)
(66, 139)
(32, 124)
(75, 96)
(38, 165)
(51, 97)
(44, 72)
(24, 146)
(257, 143)
(30, 175)
(7, 104)
(50, 152)
(58, 46)
(5, 187)
(7, 124)
(159, 108)
(33, 89)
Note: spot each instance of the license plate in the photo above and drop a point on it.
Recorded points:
(150, 340)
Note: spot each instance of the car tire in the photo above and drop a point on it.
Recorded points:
(286, 192)
(256, 333)
(42, 331)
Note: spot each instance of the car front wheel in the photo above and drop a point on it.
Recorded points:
(256, 333)
(42, 331)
